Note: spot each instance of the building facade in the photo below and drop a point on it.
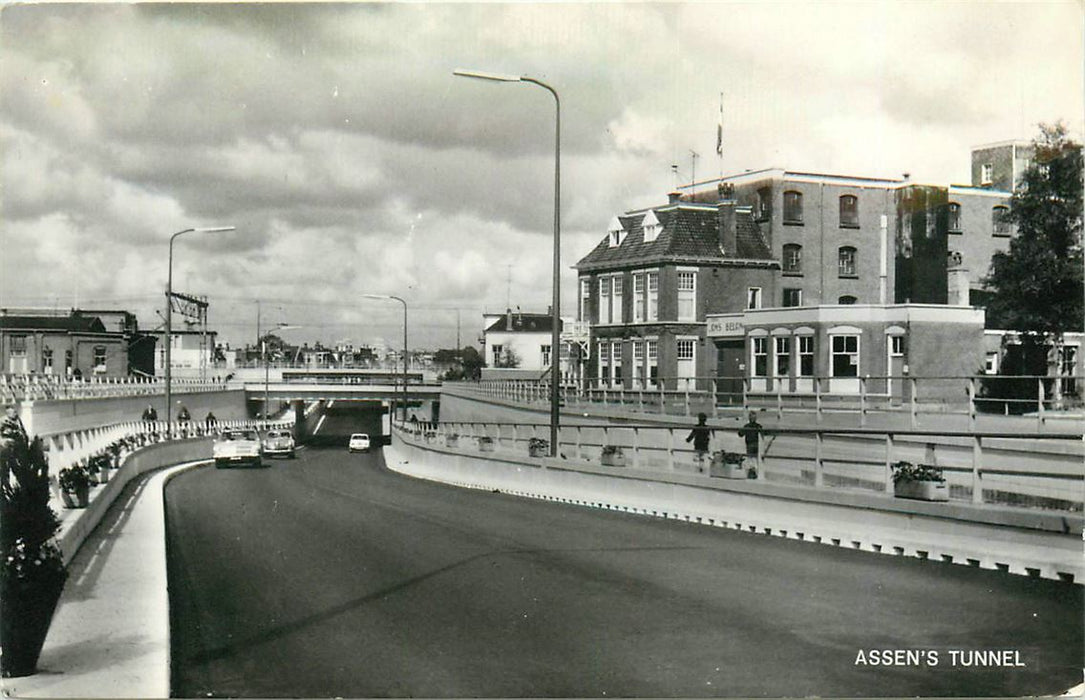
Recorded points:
(70, 346)
(517, 340)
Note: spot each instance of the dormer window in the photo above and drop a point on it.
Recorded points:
(615, 233)
(651, 227)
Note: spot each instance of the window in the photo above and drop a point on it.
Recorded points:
(896, 345)
(651, 227)
(617, 301)
(544, 350)
(753, 298)
(782, 356)
(99, 358)
(849, 211)
(760, 356)
(685, 349)
(585, 298)
(47, 360)
(846, 300)
(638, 298)
(846, 261)
(764, 204)
(18, 346)
(603, 353)
(638, 363)
(792, 262)
(653, 361)
(954, 217)
(845, 356)
(806, 355)
(653, 296)
(792, 207)
(604, 300)
(1000, 221)
(615, 233)
(67, 361)
(687, 296)
(987, 173)
(616, 361)
(792, 296)
(498, 351)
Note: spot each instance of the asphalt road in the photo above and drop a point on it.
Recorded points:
(330, 576)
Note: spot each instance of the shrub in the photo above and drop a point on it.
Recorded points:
(903, 472)
(74, 478)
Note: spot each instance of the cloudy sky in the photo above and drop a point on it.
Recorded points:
(351, 161)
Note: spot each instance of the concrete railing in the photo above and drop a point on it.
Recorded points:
(38, 387)
(1033, 471)
(1019, 541)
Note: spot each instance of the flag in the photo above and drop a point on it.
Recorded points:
(719, 130)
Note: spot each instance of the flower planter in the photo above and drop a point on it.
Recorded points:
(612, 459)
(485, 445)
(922, 490)
(452, 440)
(538, 451)
(76, 498)
(727, 469)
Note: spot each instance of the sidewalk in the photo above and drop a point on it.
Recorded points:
(110, 634)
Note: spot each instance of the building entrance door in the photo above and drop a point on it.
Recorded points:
(730, 371)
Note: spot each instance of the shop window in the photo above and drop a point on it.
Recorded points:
(782, 356)
(845, 356)
(806, 355)
(760, 356)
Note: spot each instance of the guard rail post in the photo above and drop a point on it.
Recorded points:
(862, 402)
(889, 463)
(636, 447)
(1041, 396)
(977, 460)
(715, 399)
(912, 405)
(779, 399)
(670, 449)
(818, 408)
(819, 476)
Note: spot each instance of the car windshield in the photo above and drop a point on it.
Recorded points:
(359, 436)
(239, 435)
(277, 434)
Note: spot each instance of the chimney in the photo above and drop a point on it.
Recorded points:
(674, 197)
(728, 237)
(508, 318)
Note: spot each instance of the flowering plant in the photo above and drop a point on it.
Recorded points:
(74, 478)
(730, 457)
(538, 445)
(903, 472)
(611, 450)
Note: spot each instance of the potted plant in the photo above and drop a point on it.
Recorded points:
(485, 444)
(727, 465)
(32, 571)
(922, 482)
(100, 464)
(612, 456)
(74, 486)
(452, 440)
(537, 447)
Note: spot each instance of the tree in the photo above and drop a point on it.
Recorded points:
(1037, 285)
(508, 359)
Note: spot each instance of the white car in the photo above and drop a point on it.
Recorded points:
(279, 442)
(237, 446)
(359, 442)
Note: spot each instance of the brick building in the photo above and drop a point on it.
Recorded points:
(72, 345)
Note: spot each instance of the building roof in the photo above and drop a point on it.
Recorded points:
(521, 323)
(62, 324)
(688, 232)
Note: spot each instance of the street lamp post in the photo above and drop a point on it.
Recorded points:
(169, 309)
(405, 356)
(555, 334)
(263, 353)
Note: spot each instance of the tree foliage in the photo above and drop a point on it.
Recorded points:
(1037, 285)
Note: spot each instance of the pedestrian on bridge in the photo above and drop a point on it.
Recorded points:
(150, 415)
(751, 432)
(700, 437)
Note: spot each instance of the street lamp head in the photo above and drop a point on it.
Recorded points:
(486, 76)
(214, 229)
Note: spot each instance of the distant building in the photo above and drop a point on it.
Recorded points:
(999, 166)
(71, 345)
(517, 340)
(192, 353)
